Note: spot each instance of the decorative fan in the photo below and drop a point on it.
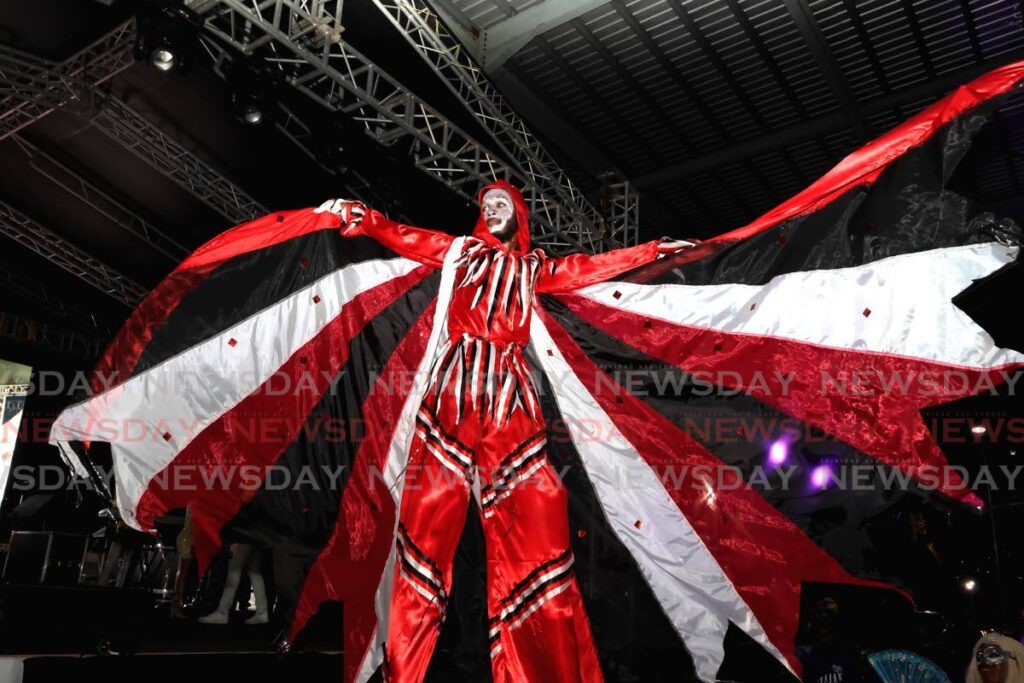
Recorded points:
(901, 666)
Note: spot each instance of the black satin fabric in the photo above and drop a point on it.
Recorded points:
(911, 207)
(295, 522)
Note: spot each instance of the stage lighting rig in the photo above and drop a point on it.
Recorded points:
(254, 92)
(167, 35)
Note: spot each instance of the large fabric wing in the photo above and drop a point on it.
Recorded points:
(833, 312)
(263, 384)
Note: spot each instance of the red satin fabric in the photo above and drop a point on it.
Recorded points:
(538, 628)
(764, 554)
(579, 270)
(228, 442)
(883, 424)
(419, 244)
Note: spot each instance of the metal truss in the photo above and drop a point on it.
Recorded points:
(50, 336)
(48, 244)
(301, 38)
(100, 201)
(455, 67)
(143, 139)
(33, 87)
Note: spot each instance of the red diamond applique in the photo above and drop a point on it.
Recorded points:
(753, 306)
(550, 352)
(866, 312)
(232, 341)
(617, 294)
(782, 239)
(303, 261)
(581, 533)
(638, 524)
(167, 436)
(316, 298)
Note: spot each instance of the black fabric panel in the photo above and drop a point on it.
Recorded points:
(635, 640)
(249, 283)
(909, 208)
(296, 521)
(839, 521)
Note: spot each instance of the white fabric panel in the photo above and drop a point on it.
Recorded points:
(187, 392)
(909, 297)
(12, 669)
(683, 575)
(398, 456)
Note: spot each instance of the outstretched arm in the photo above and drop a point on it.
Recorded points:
(579, 270)
(419, 244)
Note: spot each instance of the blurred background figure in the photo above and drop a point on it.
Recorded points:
(245, 558)
(185, 579)
(996, 659)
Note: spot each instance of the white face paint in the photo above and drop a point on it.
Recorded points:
(499, 213)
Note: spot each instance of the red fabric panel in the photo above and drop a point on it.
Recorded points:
(764, 555)
(229, 440)
(883, 424)
(121, 355)
(350, 565)
(865, 164)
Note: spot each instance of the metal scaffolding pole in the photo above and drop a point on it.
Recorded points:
(49, 336)
(48, 244)
(33, 87)
(101, 201)
(453, 64)
(143, 139)
(302, 39)
(35, 292)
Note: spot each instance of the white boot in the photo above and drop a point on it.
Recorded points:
(259, 591)
(214, 617)
(236, 565)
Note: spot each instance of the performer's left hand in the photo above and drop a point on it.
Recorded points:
(668, 245)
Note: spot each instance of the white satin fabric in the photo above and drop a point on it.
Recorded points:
(827, 307)
(687, 581)
(151, 417)
(398, 457)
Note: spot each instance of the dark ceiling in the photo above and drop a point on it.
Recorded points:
(716, 110)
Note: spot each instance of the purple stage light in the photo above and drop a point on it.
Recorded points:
(820, 476)
(778, 453)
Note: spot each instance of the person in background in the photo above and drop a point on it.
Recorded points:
(184, 580)
(830, 657)
(244, 558)
(996, 659)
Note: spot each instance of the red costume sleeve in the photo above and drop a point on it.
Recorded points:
(579, 270)
(419, 244)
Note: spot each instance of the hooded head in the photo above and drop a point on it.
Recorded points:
(481, 231)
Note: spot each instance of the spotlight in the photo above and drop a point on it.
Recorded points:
(167, 35)
(778, 453)
(249, 106)
(970, 585)
(252, 91)
(978, 429)
(820, 476)
(162, 58)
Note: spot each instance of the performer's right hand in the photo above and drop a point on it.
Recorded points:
(352, 213)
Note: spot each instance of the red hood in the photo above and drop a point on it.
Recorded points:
(522, 217)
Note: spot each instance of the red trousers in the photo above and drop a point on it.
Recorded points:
(479, 432)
